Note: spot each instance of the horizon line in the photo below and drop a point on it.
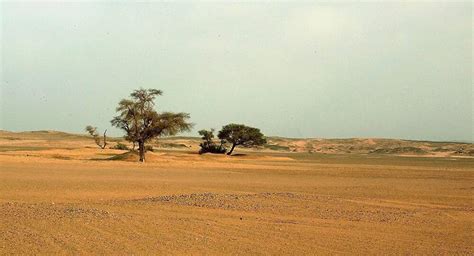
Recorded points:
(270, 136)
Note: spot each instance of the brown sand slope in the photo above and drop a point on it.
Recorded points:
(63, 197)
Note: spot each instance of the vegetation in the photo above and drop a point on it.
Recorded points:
(121, 146)
(93, 132)
(172, 145)
(142, 123)
(277, 147)
(241, 135)
(208, 145)
(149, 148)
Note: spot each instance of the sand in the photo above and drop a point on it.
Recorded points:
(73, 200)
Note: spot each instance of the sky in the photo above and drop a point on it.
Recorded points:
(293, 69)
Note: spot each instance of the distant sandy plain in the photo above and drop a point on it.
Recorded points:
(60, 194)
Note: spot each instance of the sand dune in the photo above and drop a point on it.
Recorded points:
(10, 141)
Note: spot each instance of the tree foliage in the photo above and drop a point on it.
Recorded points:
(241, 135)
(208, 145)
(93, 132)
(141, 122)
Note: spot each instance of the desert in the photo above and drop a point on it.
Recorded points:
(61, 194)
(197, 127)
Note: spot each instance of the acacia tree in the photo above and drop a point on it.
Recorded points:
(239, 134)
(93, 132)
(142, 123)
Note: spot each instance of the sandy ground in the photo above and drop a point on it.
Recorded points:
(72, 201)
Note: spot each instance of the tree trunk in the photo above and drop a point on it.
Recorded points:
(231, 150)
(141, 150)
(105, 139)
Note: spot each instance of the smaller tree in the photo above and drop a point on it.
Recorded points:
(93, 132)
(208, 145)
(241, 135)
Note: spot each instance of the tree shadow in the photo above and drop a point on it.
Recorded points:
(239, 155)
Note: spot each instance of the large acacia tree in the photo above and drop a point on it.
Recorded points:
(142, 123)
(239, 134)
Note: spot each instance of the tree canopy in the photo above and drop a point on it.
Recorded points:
(141, 122)
(241, 135)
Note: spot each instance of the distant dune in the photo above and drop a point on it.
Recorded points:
(14, 141)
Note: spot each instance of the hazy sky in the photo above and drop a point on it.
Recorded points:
(397, 70)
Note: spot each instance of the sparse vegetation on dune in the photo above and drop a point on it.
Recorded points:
(399, 150)
(277, 147)
(121, 146)
(171, 145)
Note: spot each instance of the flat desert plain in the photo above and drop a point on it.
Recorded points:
(62, 195)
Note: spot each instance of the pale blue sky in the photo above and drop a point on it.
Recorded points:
(396, 70)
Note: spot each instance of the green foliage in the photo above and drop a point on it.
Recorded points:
(207, 136)
(208, 145)
(241, 135)
(141, 122)
(120, 146)
(212, 148)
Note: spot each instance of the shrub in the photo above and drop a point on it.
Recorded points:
(208, 145)
(149, 148)
(120, 146)
(212, 148)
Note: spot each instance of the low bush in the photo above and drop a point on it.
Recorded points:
(149, 148)
(208, 145)
(212, 148)
(120, 146)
